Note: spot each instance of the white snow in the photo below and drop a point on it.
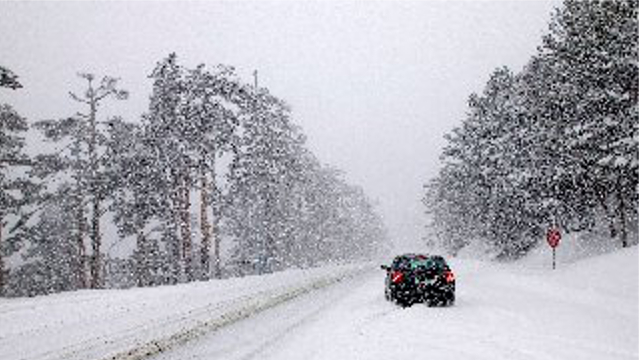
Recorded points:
(102, 323)
(587, 309)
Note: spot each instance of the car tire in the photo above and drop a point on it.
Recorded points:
(433, 301)
(450, 298)
(402, 300)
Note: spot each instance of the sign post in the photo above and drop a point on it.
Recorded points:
(553, 239)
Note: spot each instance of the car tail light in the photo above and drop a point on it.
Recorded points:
(397, 277)
(449, 277)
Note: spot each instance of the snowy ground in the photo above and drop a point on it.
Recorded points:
(588, 310)
(584, 310)
(125, 324)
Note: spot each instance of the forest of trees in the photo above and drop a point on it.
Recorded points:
(555, 144)
(212, 159)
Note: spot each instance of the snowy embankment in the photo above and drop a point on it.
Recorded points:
(128, 324)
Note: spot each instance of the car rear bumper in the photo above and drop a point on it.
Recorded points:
(421, 292)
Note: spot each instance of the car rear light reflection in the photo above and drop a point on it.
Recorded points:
(397, 277)
(449, 277)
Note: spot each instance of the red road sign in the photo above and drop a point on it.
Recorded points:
(553, 237)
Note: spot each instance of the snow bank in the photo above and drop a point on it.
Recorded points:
(129, 324)
(574, 247)
(585, 309)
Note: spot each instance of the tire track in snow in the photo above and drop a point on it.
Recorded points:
(304, 320)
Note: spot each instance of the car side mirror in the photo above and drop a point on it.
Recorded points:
(385, 267)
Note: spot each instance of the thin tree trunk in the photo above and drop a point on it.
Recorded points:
(602, 197)
(83, 282)
(205, 229)
(185, 229)
(173, 229)
(2, 280)
(96, 258)
(96, 242)
(622, 217)
(217, 266)
(217, 269)
(82, 253)
(142, 261)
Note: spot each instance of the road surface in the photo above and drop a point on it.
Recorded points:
(502, 312)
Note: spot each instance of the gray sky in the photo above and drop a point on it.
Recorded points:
(374, 85)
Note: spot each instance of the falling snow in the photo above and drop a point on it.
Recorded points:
(209, 227)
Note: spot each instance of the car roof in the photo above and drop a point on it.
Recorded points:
(410, 256)
(413, 255)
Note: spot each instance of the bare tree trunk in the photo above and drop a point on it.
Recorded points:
(185, 228)
(96, 242)
(602, 197)
(142, 260)
(83, 282)
(217, 266)
(205, 229)
(173, 229)
(217, 270)
(622, 217)
(2, 280)
(82, 251)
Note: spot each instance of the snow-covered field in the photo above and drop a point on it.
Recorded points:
(584, 310)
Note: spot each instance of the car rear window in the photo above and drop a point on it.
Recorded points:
(429, 263)
(402, 263)
(411, 263)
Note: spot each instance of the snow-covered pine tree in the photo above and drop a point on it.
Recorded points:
(481, 190)
(164, 130)
(592, 48)
(136, 199)
(15, 191)
(550, 144)
(258, 183)
(191, 123)
(80, 138)
(52, 261)
(210, 105)
(285, 208)
(8, 79)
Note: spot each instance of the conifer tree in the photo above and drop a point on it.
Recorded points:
(81, 137)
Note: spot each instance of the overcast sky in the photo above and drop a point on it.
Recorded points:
(375, 85)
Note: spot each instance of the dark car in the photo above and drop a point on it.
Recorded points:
(414, 278)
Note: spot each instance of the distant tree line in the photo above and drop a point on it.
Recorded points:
(555, 144)
(213, 158)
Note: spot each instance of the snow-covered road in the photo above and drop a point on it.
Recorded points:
(588, 310)
(585, 310)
